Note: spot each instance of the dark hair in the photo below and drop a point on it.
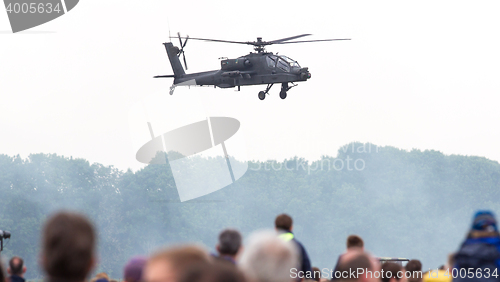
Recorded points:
(68, 246)
(229, 242)
(283, 221)
(392, 268)
(354, 241)
(16, 266)
(316, 274)
(2, 275)
(361, 260)
(413, 265)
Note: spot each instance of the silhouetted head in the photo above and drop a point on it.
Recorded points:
(68, 247)
(393, 272)
(484, 224)
(354, 260)
(316, 274)
(229, 242)
(414, 266)
(2, 274)
(283, 222)
(354, 241)
(216, 271)
(16, 267)
(132, 271)
(171, 264)
(267, 257)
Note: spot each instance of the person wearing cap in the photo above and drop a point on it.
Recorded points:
(480, 252)
(133, 269)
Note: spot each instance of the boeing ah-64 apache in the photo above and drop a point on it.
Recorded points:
(256, 68)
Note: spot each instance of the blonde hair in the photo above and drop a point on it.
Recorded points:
(181, 257)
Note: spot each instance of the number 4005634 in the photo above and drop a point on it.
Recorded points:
(33, 8)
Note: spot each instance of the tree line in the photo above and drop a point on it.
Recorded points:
(413, 204)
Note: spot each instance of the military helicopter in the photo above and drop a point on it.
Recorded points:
(255, 68)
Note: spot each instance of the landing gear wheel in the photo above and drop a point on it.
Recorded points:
(262, 95)
(282, 94)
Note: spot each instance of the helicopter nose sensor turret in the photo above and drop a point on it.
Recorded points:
(304, 73)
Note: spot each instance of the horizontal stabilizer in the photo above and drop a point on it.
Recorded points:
(160, 76)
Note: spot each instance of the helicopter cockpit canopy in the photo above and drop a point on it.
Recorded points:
(282, 62)
(291, 62)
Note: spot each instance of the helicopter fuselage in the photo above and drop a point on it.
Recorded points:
(251, 69)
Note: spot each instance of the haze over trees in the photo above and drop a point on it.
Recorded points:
(413, 204)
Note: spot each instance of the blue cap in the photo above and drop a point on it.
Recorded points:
(484, 221)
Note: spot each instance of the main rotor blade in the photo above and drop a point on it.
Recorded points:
(288, 38)
(217, 40)
(263, 43)
(304, 41)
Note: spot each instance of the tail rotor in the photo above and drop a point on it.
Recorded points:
(181, 50)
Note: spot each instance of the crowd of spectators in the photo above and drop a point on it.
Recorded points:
(69, 255)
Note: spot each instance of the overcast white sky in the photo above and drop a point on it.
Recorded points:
(421, 74)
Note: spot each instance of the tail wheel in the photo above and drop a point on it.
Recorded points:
(282, 94)
(262, 95)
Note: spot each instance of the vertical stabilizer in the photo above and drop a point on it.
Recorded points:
(174, 60)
